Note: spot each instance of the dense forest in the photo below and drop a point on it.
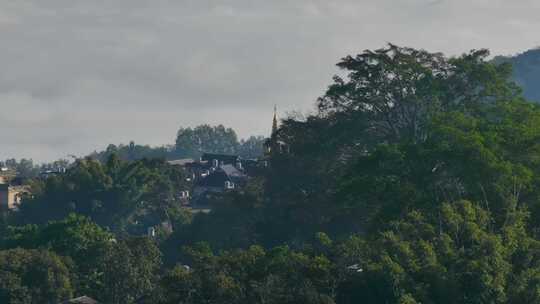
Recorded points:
(417, 180)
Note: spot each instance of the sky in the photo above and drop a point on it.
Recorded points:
(77, 75)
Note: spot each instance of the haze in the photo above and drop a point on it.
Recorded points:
(78, 75)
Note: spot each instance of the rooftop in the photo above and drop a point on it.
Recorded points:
(232, 171)
(215, 179)
(181, 162)
(81, 300)
(230, 159)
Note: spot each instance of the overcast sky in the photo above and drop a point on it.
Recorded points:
(77, 75)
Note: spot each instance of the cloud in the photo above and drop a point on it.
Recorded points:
(77, 75)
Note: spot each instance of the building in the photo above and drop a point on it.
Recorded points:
(6, 175)
(212, 171)
(52, 172)
(220, 180)
(11, 189)
(11, 195)
(81, 300)
(209, 177)
(181, 162)
(274, 145)
(214, 174)
(217, 160)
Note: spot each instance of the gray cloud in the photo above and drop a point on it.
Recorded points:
(77, 75)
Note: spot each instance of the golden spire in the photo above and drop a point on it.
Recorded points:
(274, 122)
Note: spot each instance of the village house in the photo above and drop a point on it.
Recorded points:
(51, 172)
(212, 174)
(220, 173)
(11, 190)
(6, 175)
(217, 160)
(11, 195)
(220, 179)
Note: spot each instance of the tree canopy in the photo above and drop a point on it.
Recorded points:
(417, 180)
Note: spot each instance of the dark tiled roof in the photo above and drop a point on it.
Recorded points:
(198, 165)
(227, 159)
(181, 162)
(231, 171)
(215, 179)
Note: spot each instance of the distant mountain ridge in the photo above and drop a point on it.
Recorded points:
(526, 71)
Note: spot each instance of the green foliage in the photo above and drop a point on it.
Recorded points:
(205, 138)
(464, 157)
(234, 222)
(252, 147)
(253, 275)
(417, 181)
(453, 256)
(23, 167)
(132, 152)
(100, 266)
(130, 270)
(33, 276)
(123, 196)
(189, 143)
(26, 168)
(76, 237)
(407, 128)
(193, 142)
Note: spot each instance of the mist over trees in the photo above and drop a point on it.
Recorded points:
(26, 168)
(190, 143)
(526, 72)
(416, 181)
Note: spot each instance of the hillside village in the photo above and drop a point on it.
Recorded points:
(206, 179)
(14, 186)
(214, 174)
(418, 178)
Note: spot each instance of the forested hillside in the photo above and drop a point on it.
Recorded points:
(417, 180)
(526, 73)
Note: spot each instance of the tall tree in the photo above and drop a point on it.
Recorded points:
(205, 139)
(397, 90)
(130, 270)
(33, 276)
